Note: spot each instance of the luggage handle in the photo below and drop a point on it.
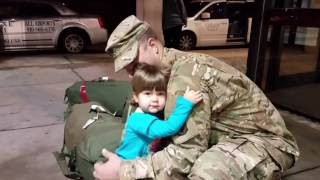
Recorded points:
(100, 109)
(97, 109)
(85, 99)
(83, 93)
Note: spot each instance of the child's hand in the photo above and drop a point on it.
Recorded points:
(193, 96)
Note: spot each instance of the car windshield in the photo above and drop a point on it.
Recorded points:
(194, 7)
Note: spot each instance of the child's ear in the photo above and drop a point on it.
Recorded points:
(135, 98)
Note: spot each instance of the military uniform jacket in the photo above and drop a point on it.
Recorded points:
(233, 108)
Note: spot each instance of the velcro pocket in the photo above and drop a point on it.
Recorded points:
(247, 154)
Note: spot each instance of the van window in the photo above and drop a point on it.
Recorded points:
(194, 7)
(217, 11)
(236, 11)
(238, 20)
(7, 11)
(37, 10)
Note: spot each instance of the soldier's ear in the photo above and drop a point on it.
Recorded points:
(151, 42)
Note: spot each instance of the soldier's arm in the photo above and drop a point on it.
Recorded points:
(176, 160)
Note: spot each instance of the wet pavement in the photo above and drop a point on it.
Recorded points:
(31, 109)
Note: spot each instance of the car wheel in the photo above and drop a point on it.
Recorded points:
(74, 42)
(187, 41)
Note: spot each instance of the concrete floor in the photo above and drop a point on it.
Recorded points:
(32, 89)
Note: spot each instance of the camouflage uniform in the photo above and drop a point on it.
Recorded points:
(236, 133)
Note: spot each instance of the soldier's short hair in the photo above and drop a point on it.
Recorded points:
(148, 34)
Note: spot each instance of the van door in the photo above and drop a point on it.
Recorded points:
(238, 22)
(40, 24)
(11, 36)
(213, 25)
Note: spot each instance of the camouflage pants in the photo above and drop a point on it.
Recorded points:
(235, 159)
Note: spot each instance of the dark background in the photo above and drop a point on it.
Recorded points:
(112, 11)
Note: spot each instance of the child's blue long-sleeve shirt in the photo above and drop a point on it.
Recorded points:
(143, 128)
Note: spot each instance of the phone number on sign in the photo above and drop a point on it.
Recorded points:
(40, 29)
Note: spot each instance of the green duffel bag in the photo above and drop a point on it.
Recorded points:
(110, 93)
(89, 128)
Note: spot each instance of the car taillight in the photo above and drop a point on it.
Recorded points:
(101, 23)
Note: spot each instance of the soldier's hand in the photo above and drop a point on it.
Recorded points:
(108, 170)
(193, 96)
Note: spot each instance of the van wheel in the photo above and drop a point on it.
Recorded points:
(187, 41)
(73, 42)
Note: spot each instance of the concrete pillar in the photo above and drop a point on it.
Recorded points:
(151, 12)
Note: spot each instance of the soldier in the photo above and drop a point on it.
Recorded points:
(173, 18)
(236, 133)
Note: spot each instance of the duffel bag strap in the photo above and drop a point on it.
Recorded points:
(83, 93)
(61, 160)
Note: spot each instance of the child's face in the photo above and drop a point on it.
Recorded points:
(151, 101)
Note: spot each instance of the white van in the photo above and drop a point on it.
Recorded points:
(40, 24)
(217, 23)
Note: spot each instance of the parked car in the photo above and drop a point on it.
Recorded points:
(35, 24)
(217, 22)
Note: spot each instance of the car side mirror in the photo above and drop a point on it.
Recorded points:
(205, 15)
